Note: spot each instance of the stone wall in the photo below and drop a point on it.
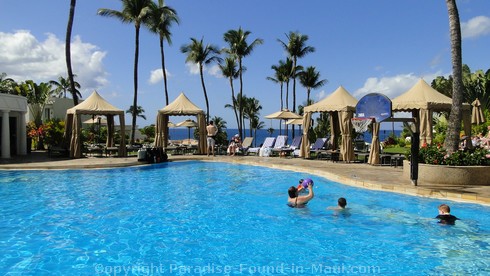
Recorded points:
(450, 175)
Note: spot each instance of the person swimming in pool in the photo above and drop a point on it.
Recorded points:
(341, 205)
(341, 208)
(297, 201)
(445, 216)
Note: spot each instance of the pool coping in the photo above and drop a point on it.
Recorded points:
(357, 175)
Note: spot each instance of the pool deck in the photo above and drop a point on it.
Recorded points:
(384, 178)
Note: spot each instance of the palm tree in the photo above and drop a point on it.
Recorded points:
(476, 85)
(310, 79)
(133, 11)
(454, 123)
(229, 70)
(139, 112)
(251, 110)
(239, 48)
(37, 96)
(199, 54)
(63, 85)
(270, 131)
(159, 21)
(256, 124)
(71, 82)
(296, 48)
(282, 73)
(443, 85)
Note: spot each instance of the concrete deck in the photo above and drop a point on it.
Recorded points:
(383, 178)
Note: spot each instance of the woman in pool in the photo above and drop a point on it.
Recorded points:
(297, 201)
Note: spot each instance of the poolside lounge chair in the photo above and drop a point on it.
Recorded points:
(320, 147)
(247, 142)
(268, 143)
(281, 142)
(295, 146)
(320, 144)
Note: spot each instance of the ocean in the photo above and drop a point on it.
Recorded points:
(182, 133)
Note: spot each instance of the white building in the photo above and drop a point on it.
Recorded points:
(55, 108)
(13, 138)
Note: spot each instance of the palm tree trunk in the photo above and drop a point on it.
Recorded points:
(234, 100)
(205, 93)
(282, 104)
(240, 104)
(69, 27)
(294, 94)
(162, 53)
(287, 95)
(135, 99)
(454, 122)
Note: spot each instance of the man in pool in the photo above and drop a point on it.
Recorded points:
(445, 216)
(341, 204)
(297, 201)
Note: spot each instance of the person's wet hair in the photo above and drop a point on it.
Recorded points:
(445, 208)
(293, 192)
(342, 202)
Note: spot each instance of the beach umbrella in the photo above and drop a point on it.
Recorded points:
(189, 124)
(477, 113)
(284, 114)
(96, 120)
(294, 122)
(170, 124)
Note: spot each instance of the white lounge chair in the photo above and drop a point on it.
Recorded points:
(268, 143)
(246, 144)
(281, 143)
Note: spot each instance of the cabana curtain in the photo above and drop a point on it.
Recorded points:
(342, 104)
(181, 106)
(93, 105)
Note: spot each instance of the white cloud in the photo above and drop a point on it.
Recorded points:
(193, 68)
(24, 57)
(392, 86)
(215, 71)
(156, 76)
(475, 27)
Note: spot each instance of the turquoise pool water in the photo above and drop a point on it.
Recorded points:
(188, 218)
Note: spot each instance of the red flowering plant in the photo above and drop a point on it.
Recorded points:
(37, 134)
(49, 133)
(432, 154)
(436, 155)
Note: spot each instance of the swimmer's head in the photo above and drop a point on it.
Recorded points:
(444, 209)
(342, 202)
(293, 192)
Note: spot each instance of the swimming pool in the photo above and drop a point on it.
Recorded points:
(188, 218)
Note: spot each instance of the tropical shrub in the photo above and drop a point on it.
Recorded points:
(435, 154)
(53, 132)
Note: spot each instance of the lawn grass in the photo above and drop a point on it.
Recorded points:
(396, 150)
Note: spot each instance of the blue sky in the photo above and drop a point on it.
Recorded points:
(380, 46)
